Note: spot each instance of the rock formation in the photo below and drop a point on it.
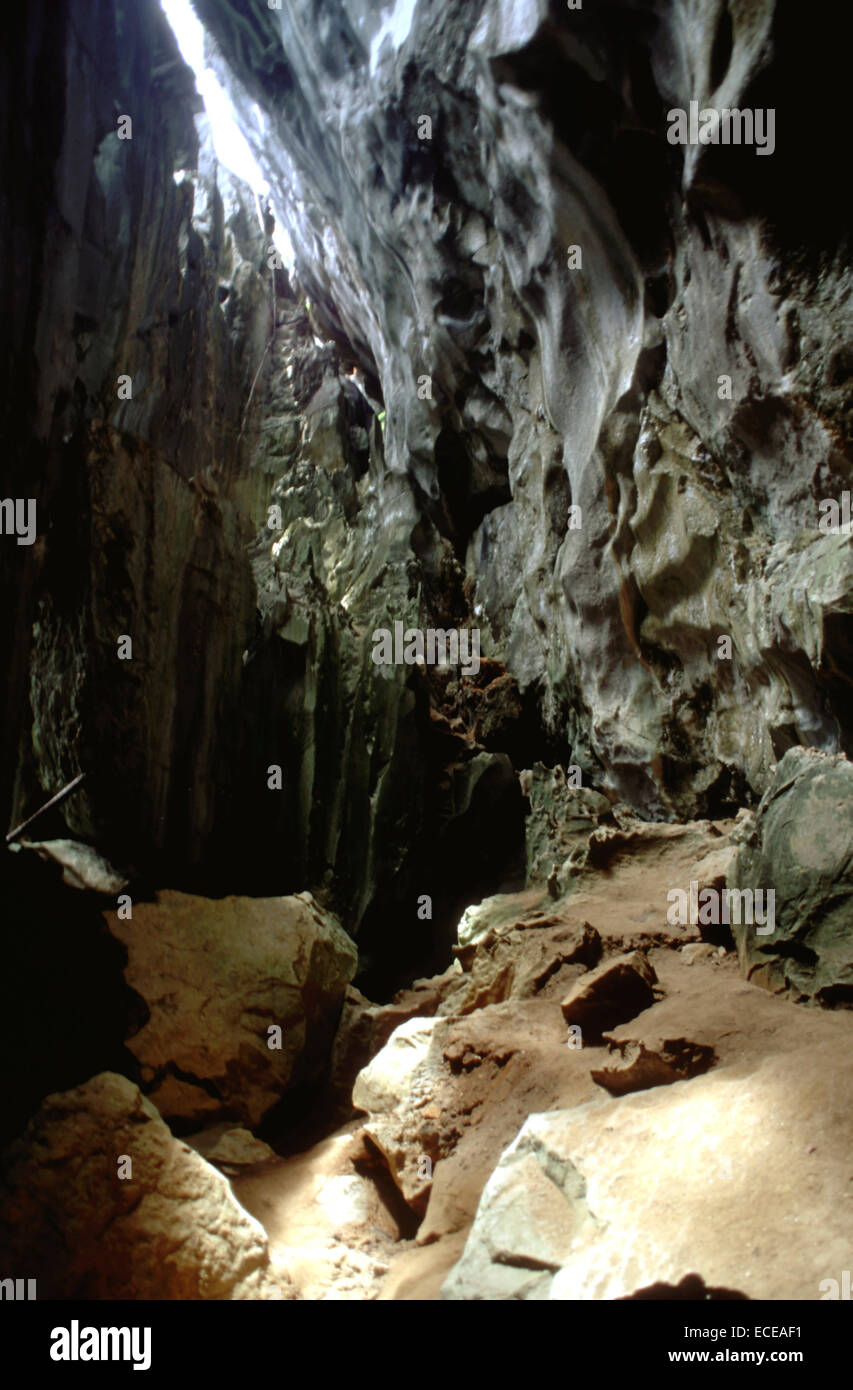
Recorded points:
(396, 972)
(100, 1201)
(798, 849)
(242, 996)
(626, 448)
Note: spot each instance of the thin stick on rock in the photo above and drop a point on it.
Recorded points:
(54, 801)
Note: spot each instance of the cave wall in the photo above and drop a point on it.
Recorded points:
(397, 781)
(601, 386)
(550, 388)
(139, 257)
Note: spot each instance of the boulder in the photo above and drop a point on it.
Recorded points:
(617, 990)
(365, 1027)
(216, 975)
(170, 1229)
(800, 846)
(736, 1182)
(396, 1090)
(638, 1067)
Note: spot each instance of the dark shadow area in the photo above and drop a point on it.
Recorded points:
(466, 857)
(64, 1006)
(692, 1288)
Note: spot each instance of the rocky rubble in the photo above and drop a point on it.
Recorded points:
(568, 1210)
(698, 1148)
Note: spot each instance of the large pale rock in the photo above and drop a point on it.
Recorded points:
(532, 1224)
(800, 845)
(396, 1090)
(173, 1229)
(365, 1028)
(741, 1179)
(216, 974)
(530, 1214)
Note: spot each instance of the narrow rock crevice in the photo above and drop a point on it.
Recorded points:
(426, 573)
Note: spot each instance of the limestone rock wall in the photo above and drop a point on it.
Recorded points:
(127, 257)
(538, 371)
(250, 648)
(388, 771)
(685, 386)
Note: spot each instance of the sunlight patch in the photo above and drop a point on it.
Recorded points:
(232, 148)
(396, 25)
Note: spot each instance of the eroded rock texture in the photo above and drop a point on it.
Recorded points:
(538, 372)
(601, 387)
(386, 768)
(167, 386)
(135, 316)
(797, 848)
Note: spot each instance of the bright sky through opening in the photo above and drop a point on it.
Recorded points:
(232, 148)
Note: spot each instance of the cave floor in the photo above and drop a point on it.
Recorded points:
(497, 1051)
